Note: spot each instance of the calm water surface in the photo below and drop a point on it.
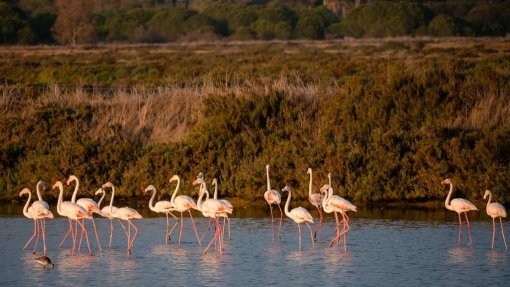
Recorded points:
(386, 247)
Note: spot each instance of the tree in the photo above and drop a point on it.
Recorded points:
(75, 22)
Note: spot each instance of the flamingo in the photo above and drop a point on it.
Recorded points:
(335, 203)
(72, 211)
(459, 205)
(315, 199)
(183, 203)
(163, 206)
(212, 208)
(88, 204)
(273, 197)
(124, 213)
(299, 215)
(105, 212)
(30, 213)
(494, 210)
(226, 203)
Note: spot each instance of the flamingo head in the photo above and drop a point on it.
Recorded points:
(41, 184)
(149, 188)
(286, 188)
(487, 193)
(200, 179)
(101, 190)
(24, 191)
(49, 215)
(174, 178)
(309, 171)
(267, 166)
(214, 181)
(58, 184)
(71, 179)
(107, 185)
(325, 188)
(446, 181)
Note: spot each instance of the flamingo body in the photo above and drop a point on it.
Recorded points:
(495, 210)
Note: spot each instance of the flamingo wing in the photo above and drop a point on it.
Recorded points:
(299, 215)
(462, 205)
(495, 209)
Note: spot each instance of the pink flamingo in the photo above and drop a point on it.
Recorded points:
(335, 203)
(228, 206)
(459, 205)
(124, 213)
(88, 204)
(212, 208)
(299, 215)
(72, 211)
(30, 213)
(494, 210)
(315, 199)
(42, 209)
(105, 212)
(273, 197)
(163, 206)
(183, 203)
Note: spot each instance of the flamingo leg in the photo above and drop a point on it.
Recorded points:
(67, 234)
(493, 231)
(460, 228)
(33, 235)
(134, 235)
(173, 227)
(281, 220)
(272, 220)
(502, 232)
(216, 234)
(128, 239)
(228, 221)
(86, 235)
(123, 227)
(194, 227)
(311, 234)
(182, 223)
(81, 234)
(469, 229)
(73, 235)
(299, 236)
(345, 229)
(111, 233)
(43, 225)
(95, 231)
(337, 228)
(208, 228)
(167, 225)
(319, 209)
(38, 233)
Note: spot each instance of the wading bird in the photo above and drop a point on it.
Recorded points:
(315, 199)
(183, 203)
(299, 215)
(459, 205)
(273, 197)
(494, 210)
(30, 213)
(162, 206)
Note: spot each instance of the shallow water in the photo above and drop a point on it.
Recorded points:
(419, 249)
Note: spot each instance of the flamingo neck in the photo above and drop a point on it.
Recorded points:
(325, 198)
(25, 208)
(60, 198)
(151, 201)
(287, 204)
(490, 197)
(111, 199)
(101, 200)
(199, 201)
(38, 190)
(447, 201)
(329, 179)
(310, 185)
(172, 200)
(75, 192)
(215, 190)
(268, 182)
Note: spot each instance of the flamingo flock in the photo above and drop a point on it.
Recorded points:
(213, 208)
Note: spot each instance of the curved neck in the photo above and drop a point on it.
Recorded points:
(151, 201)
(215, 183)
(310, 185)
(60, 198)
(490, 197)
(329, 179)
(25, 208)
(325, 198)
(200, 196)
(268, 183)
(172, 200)
(73, 199)
(287, 204)
(38, 190)
(101, 200)
(111, 198)
(447, 201)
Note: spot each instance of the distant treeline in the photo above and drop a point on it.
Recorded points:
(388, 120)
(86, 21)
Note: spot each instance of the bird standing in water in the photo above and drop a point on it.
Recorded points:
(45, 261)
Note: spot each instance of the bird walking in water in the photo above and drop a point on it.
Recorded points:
(31, 213)
(45, 261)
(273, 197)
(162, 206)
(183, 203)
(316, 200)
(494, 210)
(459, 205)
(299, 215)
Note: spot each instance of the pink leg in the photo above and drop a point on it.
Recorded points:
(228, 221)
(74, 232)
(134, 235)
(86, 235)
(173, 227)
(38, 233)
(320, 221)
(67, 234)
(460, 228)
(502, 232)
(30, 239)
(216, 234)
(281, 220)
(97, 236)
(299, 235)
(81, 234)
(345, 229)
(43, 225)
(208, 228)
(182, 223)
(194, 227)
(272, 221)
(311, 234)
(111, 233)
(129, 239)
(493, 231)
(469, 229)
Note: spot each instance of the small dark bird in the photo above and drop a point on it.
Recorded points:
(45, 261)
